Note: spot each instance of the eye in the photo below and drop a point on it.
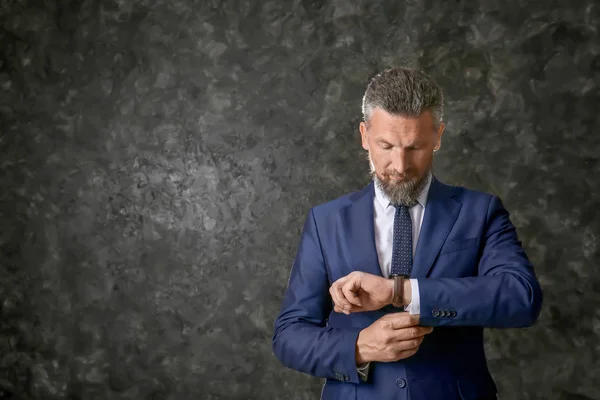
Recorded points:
(385, 146)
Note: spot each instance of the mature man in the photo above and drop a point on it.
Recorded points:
(392, 285)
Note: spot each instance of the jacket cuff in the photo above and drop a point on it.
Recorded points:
(346, 370)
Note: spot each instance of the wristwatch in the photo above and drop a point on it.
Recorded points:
(398, 293)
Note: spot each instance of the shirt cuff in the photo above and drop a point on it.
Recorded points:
(414, 307)
(363, 371)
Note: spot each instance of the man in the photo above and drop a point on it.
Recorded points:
(392, 285)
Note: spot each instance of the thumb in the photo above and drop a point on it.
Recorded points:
(351, 289)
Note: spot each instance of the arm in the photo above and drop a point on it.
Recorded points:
(369, 292)
(301, 339)
(505, 294)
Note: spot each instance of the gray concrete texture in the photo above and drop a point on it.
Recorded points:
(158, 159)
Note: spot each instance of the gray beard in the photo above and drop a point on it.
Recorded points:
(401, 193)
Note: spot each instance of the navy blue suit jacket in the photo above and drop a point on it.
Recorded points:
(472, 272)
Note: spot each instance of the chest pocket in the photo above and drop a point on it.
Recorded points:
(460, 244)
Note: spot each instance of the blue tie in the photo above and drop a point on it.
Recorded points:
(402, 249)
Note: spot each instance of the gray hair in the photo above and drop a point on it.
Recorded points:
(403, 91)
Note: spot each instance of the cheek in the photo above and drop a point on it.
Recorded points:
(380, 159)
(423, 159)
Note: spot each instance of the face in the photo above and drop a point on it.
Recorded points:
(401, 152)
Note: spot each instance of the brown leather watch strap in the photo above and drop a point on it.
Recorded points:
(398, 292)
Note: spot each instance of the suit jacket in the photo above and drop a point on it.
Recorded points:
(472, 272)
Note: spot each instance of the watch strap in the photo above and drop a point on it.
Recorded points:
(398, 292)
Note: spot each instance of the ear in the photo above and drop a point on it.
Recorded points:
(363, 135)
(439, 134)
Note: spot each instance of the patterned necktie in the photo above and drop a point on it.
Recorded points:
(402, 249)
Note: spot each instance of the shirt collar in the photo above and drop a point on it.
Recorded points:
(385, 201)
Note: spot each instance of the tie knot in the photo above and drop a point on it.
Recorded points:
(400, 207)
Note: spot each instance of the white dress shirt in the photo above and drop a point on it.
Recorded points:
(384, 213)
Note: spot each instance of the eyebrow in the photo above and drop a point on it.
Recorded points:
(416, 143)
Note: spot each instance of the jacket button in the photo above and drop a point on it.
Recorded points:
(453, 313)
(400, 382)
(436, 312)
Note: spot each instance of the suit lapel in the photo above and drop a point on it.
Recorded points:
(360, 232)
(441, 212)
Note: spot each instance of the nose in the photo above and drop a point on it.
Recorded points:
(400, 160)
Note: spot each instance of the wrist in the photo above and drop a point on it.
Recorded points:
(407, 292)
(390, 291)
(362, 351)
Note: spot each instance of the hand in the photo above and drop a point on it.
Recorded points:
(391, 338)
(360, 291)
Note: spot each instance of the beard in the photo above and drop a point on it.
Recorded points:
(404, 192)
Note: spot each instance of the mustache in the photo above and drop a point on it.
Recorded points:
(396, 174)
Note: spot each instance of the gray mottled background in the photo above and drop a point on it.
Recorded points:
(158, 159)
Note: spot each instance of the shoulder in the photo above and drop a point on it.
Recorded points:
(336, 205)
(471, 198)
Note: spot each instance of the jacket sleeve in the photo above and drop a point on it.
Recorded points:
(506, 292)
(302, 340)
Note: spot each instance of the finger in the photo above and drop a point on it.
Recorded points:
(346, 300)
(346, 311)
(340, 310)
(403, 319)
(409, 333)
(405, 345)
(334, 298)
(350, 291)
(338, 297)
(341, 280)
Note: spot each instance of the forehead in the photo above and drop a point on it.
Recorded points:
(386, 125)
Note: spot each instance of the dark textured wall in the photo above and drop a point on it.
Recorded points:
(158, 159)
